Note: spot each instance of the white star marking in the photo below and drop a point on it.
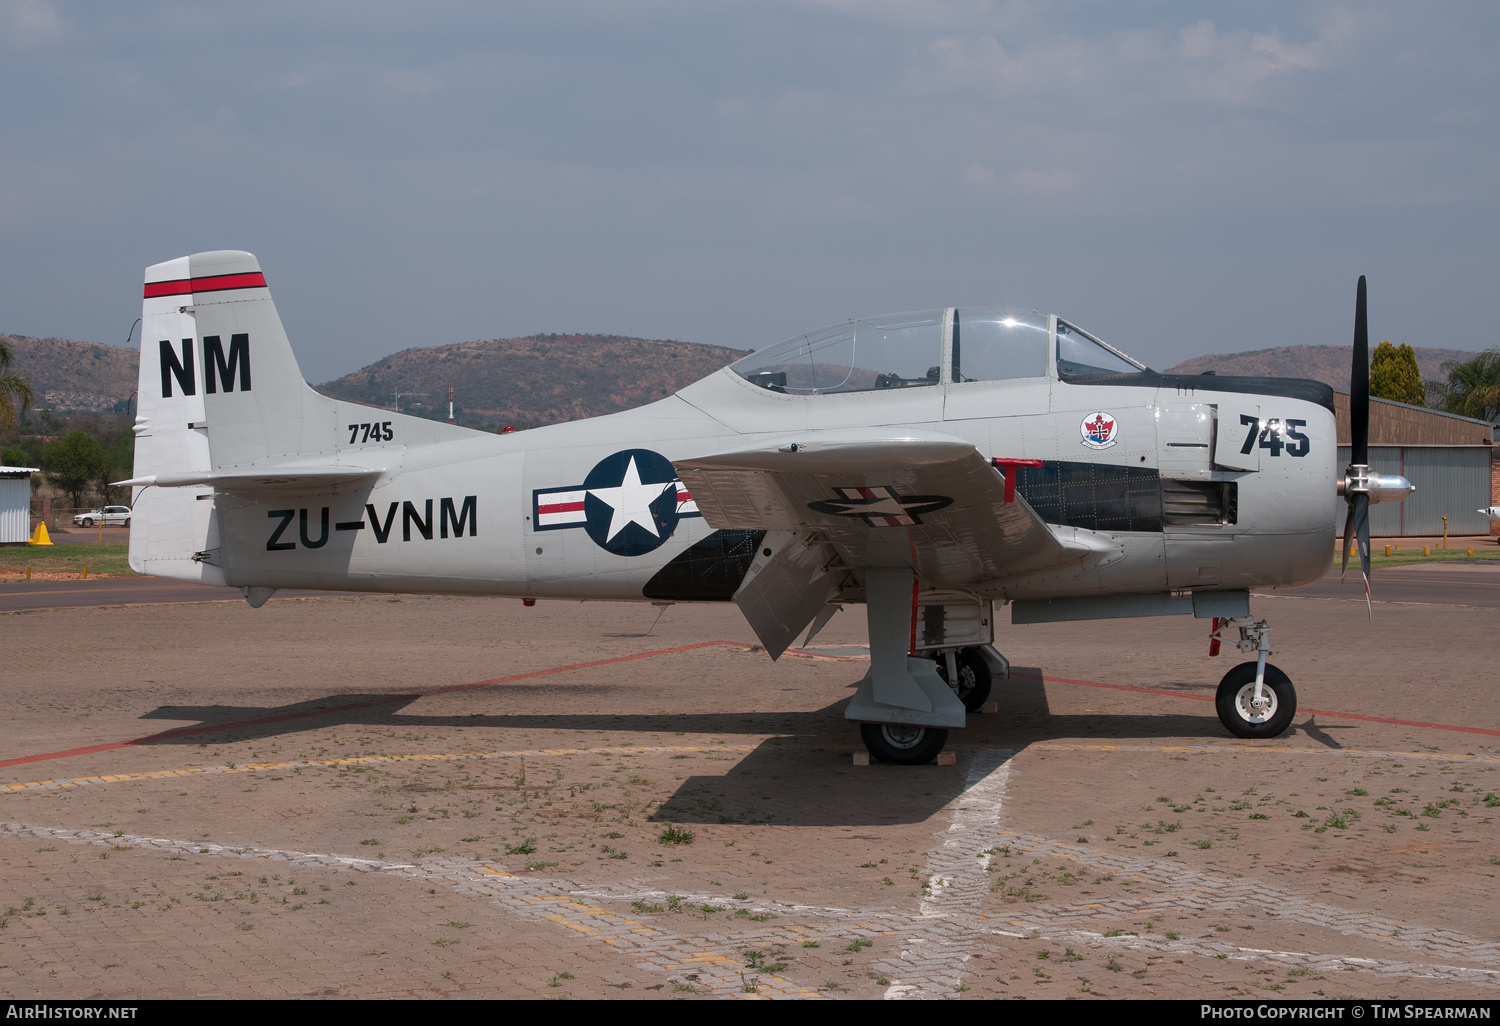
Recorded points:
(631, 502)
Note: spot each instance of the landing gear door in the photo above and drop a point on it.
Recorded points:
(1236, 436)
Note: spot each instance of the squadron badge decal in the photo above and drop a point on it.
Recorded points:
(629, 504)
(1099, 430)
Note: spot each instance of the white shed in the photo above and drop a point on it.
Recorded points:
(15, 505)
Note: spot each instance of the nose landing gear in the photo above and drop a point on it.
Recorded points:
(1255, 699)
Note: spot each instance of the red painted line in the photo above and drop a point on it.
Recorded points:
(560, 507)
(1404, 723)
(213, 283)
(217, 728)
(569, 667)
(1316, 712)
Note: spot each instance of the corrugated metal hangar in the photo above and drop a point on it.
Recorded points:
(1446, 456)
(15, 505)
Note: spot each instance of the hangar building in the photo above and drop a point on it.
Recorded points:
(1448, 458)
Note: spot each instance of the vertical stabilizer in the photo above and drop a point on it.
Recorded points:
(169, 525)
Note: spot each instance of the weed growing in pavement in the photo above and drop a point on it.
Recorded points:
(526, 847)
(675, 835)
(859, 944)
(756, 962)
(809, 944)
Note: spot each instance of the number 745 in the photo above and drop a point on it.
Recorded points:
(1275, 434)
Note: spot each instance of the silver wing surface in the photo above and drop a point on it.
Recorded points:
(894, 497)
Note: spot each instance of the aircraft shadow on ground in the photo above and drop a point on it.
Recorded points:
(802, 777)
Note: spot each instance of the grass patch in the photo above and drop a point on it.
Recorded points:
(675, 835)
(1485, 550)
(104, 559)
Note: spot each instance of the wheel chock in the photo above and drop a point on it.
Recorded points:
(946, 759)
(990, 707)
(861, 758)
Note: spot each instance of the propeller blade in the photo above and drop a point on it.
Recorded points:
(1359, 383)
(1360, 509)
(1348, 537)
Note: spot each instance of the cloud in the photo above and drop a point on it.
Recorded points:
(32, 20)
(1137, 67)
(1231, 68)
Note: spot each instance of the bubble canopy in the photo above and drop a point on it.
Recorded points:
(907, 350)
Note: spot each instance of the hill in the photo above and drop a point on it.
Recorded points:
(69, 375)
(1329, 364)
(541, 379)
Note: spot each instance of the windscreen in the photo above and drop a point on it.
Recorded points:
(1080, 354)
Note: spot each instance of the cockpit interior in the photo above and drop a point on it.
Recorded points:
(907, 351)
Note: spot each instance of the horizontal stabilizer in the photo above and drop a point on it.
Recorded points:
(256, 479)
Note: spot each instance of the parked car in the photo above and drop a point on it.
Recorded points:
(109, 516)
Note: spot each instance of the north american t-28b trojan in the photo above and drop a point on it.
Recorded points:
(929, 465)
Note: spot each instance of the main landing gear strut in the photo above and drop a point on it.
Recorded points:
(908, 702)
(1255, 699)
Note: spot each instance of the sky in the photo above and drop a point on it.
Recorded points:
(1178, 178)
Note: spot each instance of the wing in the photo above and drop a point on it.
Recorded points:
(884, 497)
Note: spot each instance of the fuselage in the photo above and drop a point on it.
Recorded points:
(1204, 483)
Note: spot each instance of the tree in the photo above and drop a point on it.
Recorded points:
(1394, 375)
(118, 464)
(72, 462)
(15, 391)
(1472, 388)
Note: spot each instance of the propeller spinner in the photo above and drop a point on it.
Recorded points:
(1359, 486)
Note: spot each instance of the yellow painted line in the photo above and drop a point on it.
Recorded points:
(1367, 753)
(367, 760)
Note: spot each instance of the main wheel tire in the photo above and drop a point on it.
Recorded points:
(1236, 692)
(973, 677)
(901, 744)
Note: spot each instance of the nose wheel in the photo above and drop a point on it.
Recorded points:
(1255, 699)
(1247, 714)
